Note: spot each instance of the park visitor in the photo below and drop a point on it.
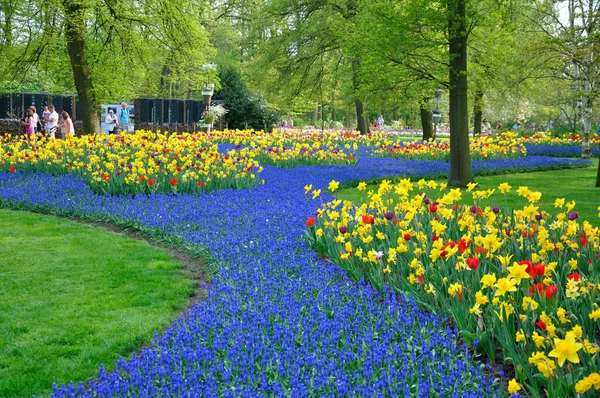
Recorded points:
(29, 125)
(45, 114)
(380, 122)
(499, 126)
(124, 118)
(36, 121)
(111, 121)
(67, 125)
(51, 123)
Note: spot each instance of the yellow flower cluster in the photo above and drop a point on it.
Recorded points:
(480, 148)
(542, 138)
(144, 162)
(522, 280)
(278, 138)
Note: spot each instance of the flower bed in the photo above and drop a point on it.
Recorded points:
(481, 148)
(298, 155)
(144, 162)
(543, 144)
(525, 281)
(276, 321)
(561, 151)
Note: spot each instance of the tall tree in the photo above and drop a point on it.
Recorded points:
(461, 172)
(75, 37)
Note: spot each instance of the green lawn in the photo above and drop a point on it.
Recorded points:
(571, 184)
(74, 296)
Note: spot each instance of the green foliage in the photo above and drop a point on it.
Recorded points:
(245, 109)
(149, 48)
(74, 297)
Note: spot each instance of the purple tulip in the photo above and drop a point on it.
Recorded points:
(388, 215)
(539, 216)
(573, 216)
(426, 201)
(343, 229)
(496, 209)
(473, 209)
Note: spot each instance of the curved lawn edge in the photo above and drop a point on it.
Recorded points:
(77, 296)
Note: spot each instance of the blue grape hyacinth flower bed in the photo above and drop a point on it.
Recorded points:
(561, 151)
(277, 320)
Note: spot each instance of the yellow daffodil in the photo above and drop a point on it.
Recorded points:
(566, 349)
(513, 386)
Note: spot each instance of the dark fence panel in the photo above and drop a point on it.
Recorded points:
(14, 105)
(5, 107)
(168, 111)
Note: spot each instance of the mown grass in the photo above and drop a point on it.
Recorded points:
(74, 296)
(572, 184)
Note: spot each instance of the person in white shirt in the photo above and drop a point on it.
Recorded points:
(52, 122)
(67, 124)
(380, 122)
(111, 121)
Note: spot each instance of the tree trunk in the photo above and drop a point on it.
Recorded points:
(363, 126)
(348, 119)
(478, 112)
(598, 176)
(75, 37)
(426, 119)
(314, 116)
(461, 172)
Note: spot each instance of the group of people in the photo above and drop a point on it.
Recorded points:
(118, 123)
(378, 123)
(49, 124)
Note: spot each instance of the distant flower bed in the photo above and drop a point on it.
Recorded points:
(524, 281)
(144, 162)
(562, 151)
(299, 155)
(481, 148)
(548, 139)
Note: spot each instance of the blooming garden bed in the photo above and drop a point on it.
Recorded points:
(480, 148)
(525, 281)
(277, 320)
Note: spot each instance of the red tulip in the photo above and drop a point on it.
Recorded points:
(310, 222)
(433, 208)
(551, 291)
(174, 182)
(473, 263)
(151, 182)
(406, 236)
(573, 276)
(541, 325)
(462, 245)
(12, 169)
(537, 270)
